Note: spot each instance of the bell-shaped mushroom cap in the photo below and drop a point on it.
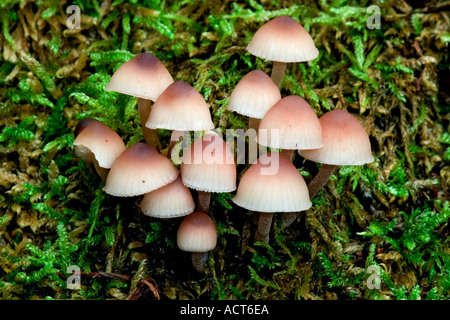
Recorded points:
(208, 165)
(254, 94)
(144, 76)
(171, 201)
(197, 233)
(345, 141)
(290, 124)
(283, 190)
(83, 124)
(138, 170)
(180, 107)
(283, 39)
(96, 139)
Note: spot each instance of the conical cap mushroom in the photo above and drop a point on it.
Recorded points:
(208, 165)
(283, 39)
(345, 141)
(180, 107)
(197, 233)
(283, 191)
(94, 138)
(172, 200)
(144, 76)
(254, 95)
(138, 170)
(294, 123)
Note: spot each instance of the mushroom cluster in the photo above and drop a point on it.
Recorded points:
(288, 124)
(272, 184)
(164, 192)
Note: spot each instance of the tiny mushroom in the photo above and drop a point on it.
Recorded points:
(282, 40)
(139, 170)
(271, 184)
(291, 124)
(208, 166)
(144, 77)
(253, 96)
(97, 143)
(170, 201)
(197, 234)
(345, 143)
(180, 108)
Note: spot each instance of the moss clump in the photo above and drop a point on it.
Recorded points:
(392, 214)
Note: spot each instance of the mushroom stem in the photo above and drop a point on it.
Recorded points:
(288, 153)
(150, 135)
(289, 218)
(277, 74)
(314, 187)
(203, 201)
(199, 261)
(264, 224)
(253, 123)
(102, 172)
(320, 179)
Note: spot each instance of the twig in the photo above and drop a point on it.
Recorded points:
(138, 291)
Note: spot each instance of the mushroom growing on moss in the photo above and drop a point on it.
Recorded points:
(345, 143)
(180, 108)
(208, 166)
(139, 170)
(197, 234)
(291, 124)
(253, 96)
(271, 184)
(282, 40)
(170, 201)
(144, 77)
(97, 143)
